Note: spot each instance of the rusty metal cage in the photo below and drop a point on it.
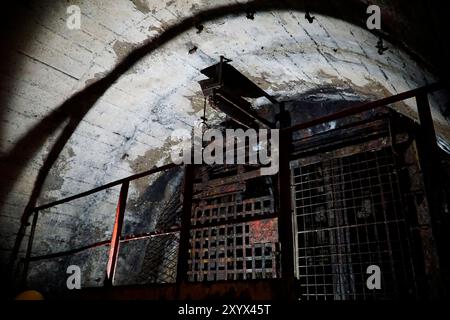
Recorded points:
(241, 246)
(234, 226)
(348, 216)
(348, 209)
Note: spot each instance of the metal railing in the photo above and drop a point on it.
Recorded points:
(117, 228)
(284, 223)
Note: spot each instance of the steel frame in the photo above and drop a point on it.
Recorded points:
(427, 152)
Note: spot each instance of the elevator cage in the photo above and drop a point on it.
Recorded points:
(349, 215)
(241, 241)
(357, 198)
(351, 201)
(350, 193)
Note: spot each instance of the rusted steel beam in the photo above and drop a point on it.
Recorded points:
(220, 190)
(117, 230)
(366, 106)
(264, 289)
(225, 75)
(232, 221)
(239, 110)
(107, 186)
(29, 248)
(183, 248)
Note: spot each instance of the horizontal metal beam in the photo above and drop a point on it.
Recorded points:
(68, 252)
(107, 186)
(241, 114)
(153, 234)
(210, 184)
(234, 221)
(104, 243)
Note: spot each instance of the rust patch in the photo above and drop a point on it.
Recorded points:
(55, 178)
(263, 231)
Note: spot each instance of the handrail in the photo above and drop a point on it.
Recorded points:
(367, 106)
(107, 186)
(124, 239)
(116, 239)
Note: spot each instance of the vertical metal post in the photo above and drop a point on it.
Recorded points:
(183, 249)
(429, 136)
(117, 232)
(220, 73)
(29, 248)
(15, 251)
(285, 207)
(430, 165)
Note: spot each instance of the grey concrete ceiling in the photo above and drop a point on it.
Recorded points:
(128, 128)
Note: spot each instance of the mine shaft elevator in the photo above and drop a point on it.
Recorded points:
(355, 191)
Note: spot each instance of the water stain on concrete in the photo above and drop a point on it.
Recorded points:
(150, 159)
(122, 48)
(196, 101)
(55, 178)
(97, 76)
(141, 5)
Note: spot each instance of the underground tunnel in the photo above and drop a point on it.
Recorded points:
(96, 97)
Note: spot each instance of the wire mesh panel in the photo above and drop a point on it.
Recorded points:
(349, 216)
(149, 260)
(152, 221)
(233, 250)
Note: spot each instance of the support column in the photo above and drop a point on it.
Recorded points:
(117, 232)
(29, 249)
(431, 171)
(285, 205)
(183, 249)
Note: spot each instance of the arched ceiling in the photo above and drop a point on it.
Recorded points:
(128, 128)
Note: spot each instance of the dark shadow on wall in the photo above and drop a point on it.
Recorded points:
(75, 108)
(12, 35)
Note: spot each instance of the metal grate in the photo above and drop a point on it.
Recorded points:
(348, 216)
(233, 250)
(154, 221)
